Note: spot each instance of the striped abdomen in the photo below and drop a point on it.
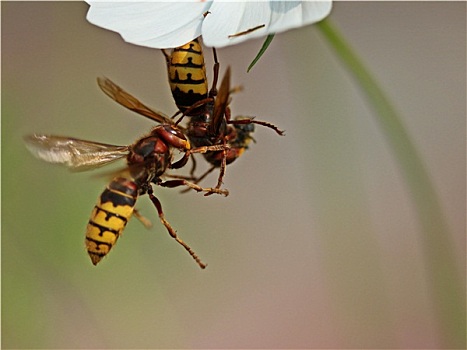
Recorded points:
(187, 74)
(109, 217)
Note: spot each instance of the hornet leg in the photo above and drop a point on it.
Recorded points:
(171, 231)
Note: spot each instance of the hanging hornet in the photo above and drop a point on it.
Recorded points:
(147, 161)
(210, 119)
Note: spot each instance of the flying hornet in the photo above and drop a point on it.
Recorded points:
(210, 120)
(147, 160)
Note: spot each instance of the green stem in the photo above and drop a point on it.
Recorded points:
(447, 286)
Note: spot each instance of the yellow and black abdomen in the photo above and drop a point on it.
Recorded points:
(187, 74)
(109, 217)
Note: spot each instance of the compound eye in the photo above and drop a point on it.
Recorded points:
(173, 137)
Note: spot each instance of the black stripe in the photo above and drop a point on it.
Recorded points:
(102, 229)
(189, 64)
(110, 214)
(116, 198)
(188, 80)
(98, 243)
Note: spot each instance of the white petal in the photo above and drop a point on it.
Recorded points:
(229, 18)
(152, 24)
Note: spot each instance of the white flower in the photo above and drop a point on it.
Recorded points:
(170, 24)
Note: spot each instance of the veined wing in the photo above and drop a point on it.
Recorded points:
(78, 155)
(220, 103)
(127, 100)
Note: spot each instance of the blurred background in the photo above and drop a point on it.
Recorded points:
(318, 244)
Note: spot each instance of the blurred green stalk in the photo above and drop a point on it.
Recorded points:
(447, 287)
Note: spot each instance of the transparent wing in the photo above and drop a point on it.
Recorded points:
(78, 155)
(127, 100)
